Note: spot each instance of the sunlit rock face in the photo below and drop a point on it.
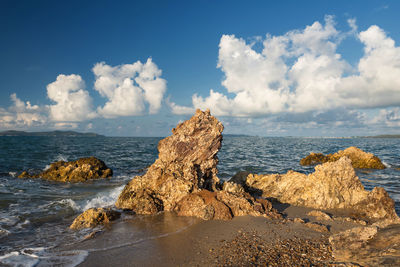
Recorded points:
(93, 217)
(187, 162)
(333, 185)
(79, 170)
(359, 158)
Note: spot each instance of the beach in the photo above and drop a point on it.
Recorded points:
(242, 241)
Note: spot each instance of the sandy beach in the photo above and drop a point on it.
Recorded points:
(170, 240)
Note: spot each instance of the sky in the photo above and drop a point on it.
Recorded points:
(137, 68)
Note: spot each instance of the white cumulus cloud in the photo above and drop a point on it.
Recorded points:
(129, 87)
(73, 103)
(21, 114)
(302, 71)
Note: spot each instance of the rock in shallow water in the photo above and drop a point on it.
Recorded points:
(333, 185)
(93, 217)
(359, 158)
(79, 170)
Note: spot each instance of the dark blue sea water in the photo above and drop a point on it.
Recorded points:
(35, 214)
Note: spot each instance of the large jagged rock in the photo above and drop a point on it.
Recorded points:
(187, 162)
(93, 217)
(359, 158)
(368, 246)
(79, 170)
(222, 205)
(333, 185)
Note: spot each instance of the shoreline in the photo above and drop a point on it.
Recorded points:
(187, 241)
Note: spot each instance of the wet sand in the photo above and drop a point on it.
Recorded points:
(168, 240)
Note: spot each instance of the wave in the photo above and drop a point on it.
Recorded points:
(103, 199)
(30, 257)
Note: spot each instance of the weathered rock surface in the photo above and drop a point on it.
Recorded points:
(319, 215)
(368, 246)
(93, 217)
(222, 205)
(187, 162)
(333, 185)
(359, 158)
(79, 170)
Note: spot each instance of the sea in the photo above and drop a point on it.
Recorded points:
(35, 214)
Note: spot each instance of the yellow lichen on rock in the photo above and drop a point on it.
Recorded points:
(359, 158)
(79, 170)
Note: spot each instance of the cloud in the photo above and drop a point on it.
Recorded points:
(387, 117)
(129, 87)
(73, 103)
(301, 71)
(21, 114)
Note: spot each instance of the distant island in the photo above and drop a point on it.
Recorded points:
(52, 133)
(385, 136)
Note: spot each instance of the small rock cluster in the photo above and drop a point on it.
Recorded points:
(80, 170)
(333, 185)
(359, 159)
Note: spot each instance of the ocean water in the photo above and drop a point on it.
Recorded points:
(35, 214)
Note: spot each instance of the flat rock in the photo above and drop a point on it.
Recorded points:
(93, 217)
(333, 185)
(319, 215)
(79, 170)
(359, 158)
(317, 227)
(368, 246)
(187, 162)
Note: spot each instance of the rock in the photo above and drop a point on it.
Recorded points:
(353, 220)
(368, 246)
(233, 188)
(317, 227)
(187, 162)
(359, 158)
(205, 205)
(319, 215)
(221, 205)
(79, 170)
(93, 217)
(347, 243)
(333, 185)
(298, 220)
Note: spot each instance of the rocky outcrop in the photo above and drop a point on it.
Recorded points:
(187, 162)
(368, 246)
(222, 205)
(359, 158)
(333, 185)
(79, 170)
(184, 178)
(93, 217)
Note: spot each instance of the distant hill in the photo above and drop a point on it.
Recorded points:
(385, 136)
(52, 133)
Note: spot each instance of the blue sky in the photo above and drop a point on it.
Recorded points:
(136, 68)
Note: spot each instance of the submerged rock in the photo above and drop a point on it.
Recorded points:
(333, 185)
(187, 162)
(93, 217)
(79, 170)
(359, 158)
